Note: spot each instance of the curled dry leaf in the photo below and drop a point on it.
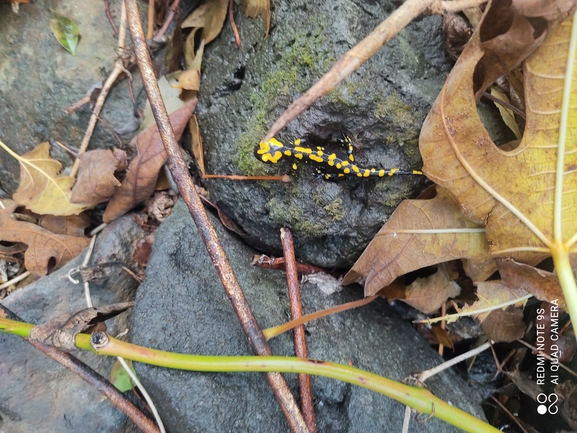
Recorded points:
(62, 331)
(419, 233)
(46, 251)
(430, 293)
(143, 170)
(543, 285)
(41, 189)
(96, 182)
(210, 16)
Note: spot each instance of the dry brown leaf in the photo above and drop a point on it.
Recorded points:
(197, 18)
(189, 52)
(442, 336)
(505, 38)
(46, 251)
(492, 296)
(41, 190)
(543, 285)
(430, 293)
(504, 325)
(255, 8)
(211, 18)
(96, 182)
(73, 225)
(403, 244)
(189, 80)
(143, 170)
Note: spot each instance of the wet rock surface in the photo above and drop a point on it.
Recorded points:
(39, 79)
(381, 106)
(182, 307)
(38, 394)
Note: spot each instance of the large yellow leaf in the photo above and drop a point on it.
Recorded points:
(513, 193)
(41, 188)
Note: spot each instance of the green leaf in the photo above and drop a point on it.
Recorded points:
(66, 32)
(120, 378)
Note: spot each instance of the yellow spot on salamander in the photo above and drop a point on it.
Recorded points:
(295, 166)
(355, 168)
(303, 150)
(316, 158)
(287, 153)
(392, 171)
(366, 173)
(345, 163)
(299, 155)
(418, 172)
(351, 157)
(381, 173)
(347, 170)
(319, 152)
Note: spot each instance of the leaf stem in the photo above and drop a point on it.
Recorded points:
(563, 126)
(567, 280)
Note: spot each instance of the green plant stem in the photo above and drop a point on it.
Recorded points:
(567, 281)
(417, 398)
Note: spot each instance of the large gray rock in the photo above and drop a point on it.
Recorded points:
(381, 106)
(38, 394)
(182, 307)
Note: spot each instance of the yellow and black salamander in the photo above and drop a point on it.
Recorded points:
(329, 164)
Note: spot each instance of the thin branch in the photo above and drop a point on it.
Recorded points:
(173, 10)
(207, 232)
(428, 373)
(304, 380)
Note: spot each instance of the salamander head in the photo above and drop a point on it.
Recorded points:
(270, 151)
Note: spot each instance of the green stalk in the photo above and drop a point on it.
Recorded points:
(418, 398)
(567, 281)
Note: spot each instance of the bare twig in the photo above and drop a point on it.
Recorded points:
(264, 261)
(109, 16)
(232, 23)
(150, 31)
(14, 280)
(93, 378)
(304, 380)
(546, 356)
(428, 373)
(173, 10)
(182, 178)
(118, 69)
(513, 417)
